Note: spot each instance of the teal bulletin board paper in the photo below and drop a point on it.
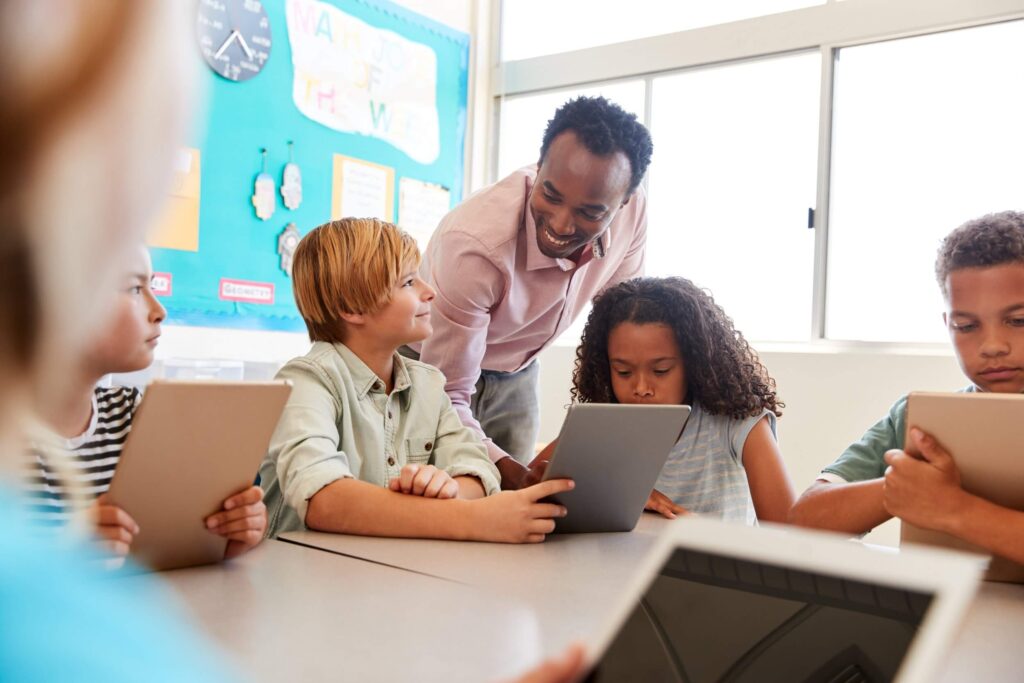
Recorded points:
(245, 117)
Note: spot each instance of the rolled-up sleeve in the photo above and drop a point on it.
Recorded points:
(468, 285)
(460, 452)
(305, 445)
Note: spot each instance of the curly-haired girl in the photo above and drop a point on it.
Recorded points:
(666, 341)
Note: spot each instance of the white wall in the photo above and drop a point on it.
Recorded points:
(832, 395)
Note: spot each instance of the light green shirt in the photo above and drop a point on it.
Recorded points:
(865, 459)
(340, 423)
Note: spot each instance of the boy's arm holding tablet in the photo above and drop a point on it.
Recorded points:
(926, 492)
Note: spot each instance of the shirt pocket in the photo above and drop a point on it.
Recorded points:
(419, 450)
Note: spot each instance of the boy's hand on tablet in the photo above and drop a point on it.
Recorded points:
(924, 491)
(659, 502)
(242, 520)
(519, 516)
(115, 527)
(426, 481)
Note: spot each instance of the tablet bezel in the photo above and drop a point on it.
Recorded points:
(951, 577)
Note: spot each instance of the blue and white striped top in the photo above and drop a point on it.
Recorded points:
(704, 472)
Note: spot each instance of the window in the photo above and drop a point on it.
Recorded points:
(927, 133)
(733, 175)
(531, 28)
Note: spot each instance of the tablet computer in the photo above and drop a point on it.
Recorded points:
(614, 453)
(722, 602)
(983, 433)
(192, 444)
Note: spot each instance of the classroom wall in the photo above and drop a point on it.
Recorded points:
(262, 352)
(832, 394)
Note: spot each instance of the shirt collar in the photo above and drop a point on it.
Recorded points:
(366, 381)
(535, 258)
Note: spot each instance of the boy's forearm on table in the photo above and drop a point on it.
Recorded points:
(853, 508)
(350, 506)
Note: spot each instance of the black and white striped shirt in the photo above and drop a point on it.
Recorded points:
(59, 482)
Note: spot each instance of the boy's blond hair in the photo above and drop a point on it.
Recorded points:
(348, 266)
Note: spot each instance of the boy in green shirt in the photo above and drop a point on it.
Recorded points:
(980, 269)
(369, 442)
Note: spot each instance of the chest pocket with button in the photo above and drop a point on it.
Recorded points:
(419, 450)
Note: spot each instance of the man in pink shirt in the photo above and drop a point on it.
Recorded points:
(515, 263)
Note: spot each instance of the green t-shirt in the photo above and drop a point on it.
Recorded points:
(865, 459)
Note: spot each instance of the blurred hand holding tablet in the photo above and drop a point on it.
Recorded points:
(192, 444)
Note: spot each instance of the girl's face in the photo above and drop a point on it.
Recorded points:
(134, 326)
(646, 365)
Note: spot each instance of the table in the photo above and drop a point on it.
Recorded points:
(313, 606)
(287, 613)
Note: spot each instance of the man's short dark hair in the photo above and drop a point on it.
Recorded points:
(604, 128)
(991, 240)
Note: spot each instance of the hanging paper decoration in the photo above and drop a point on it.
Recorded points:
(291, 182)
(263, 194)
(286, 243)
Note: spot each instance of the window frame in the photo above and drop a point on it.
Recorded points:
(826, 28)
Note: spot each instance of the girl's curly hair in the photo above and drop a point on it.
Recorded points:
(723, 373)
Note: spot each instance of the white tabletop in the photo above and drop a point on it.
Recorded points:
(287, 613)
(388, 609)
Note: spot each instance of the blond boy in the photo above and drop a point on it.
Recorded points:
(369, 442)
(980, 269)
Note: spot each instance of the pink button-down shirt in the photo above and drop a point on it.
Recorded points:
(500, 301)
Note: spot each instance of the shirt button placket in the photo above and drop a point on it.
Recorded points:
(389, 440)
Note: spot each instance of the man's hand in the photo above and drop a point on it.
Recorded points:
(923, 491)
(659, 502)
(242, 520)
(426, 481)
(515, 475)
(115, 527)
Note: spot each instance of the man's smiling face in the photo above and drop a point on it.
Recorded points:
(576, 195)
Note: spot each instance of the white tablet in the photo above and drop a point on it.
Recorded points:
(983, 433)
(614, 453)
(724, 602)
(192, 444)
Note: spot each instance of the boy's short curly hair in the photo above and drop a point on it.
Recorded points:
(349, 266)
(604, 128)
(992, 240)
(723, 373)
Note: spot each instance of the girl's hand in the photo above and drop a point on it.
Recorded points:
(518, 516)
(115, 528)
(242, 520)
(426, 481)
(659, 502)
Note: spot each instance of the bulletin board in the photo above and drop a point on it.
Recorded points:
(365, 90)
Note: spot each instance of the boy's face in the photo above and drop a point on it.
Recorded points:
(406, 318)
(646, 365)
(131, 335)
(985, 317)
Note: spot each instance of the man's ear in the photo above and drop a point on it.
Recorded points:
(625, 201)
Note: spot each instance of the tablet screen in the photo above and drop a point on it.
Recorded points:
(711, 618)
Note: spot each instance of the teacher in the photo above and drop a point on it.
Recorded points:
(515, 263)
